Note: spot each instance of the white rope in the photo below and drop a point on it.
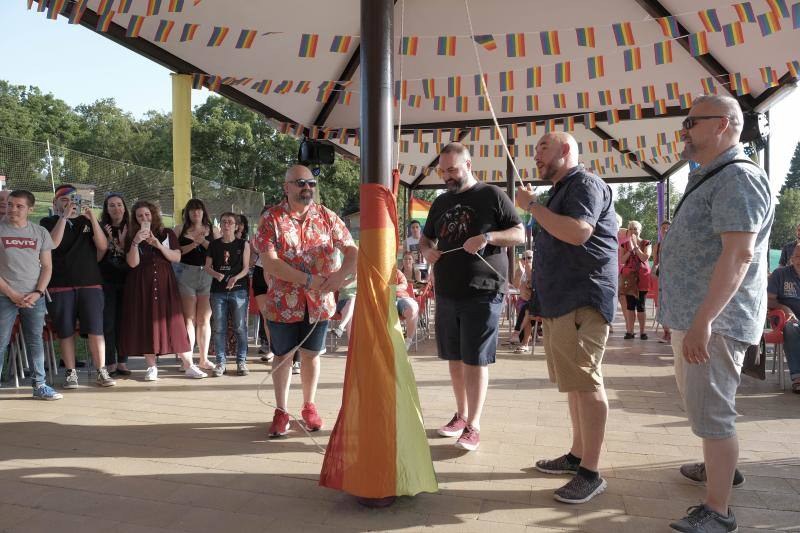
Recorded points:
(502, 277)
(400, 88)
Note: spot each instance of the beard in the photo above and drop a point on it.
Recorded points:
(305, 197)
(454, 184)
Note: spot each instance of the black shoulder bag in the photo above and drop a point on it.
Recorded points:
(705, 178)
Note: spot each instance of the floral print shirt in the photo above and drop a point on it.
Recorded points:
(308, 245)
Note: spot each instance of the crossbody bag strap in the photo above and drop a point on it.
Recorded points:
(705, 178)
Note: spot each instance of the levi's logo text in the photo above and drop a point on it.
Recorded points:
(19, 242)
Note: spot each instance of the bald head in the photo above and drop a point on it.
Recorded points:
(556, 153)
(298, 172)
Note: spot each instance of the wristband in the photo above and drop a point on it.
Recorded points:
(308, 280)
(530, 204)
(486, 236)
(41, 293)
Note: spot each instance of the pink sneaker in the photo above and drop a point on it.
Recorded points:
(454, 428)
(280, 424)
(311, 417)
(469, 440)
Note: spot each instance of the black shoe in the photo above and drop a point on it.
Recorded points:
(643, 336)
(78, 364)
(559, 465)
(629, 336)
(121, 372)
(701, 519)
(580, 490)
(696, 472)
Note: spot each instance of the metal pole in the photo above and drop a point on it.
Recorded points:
(50, 164)
(660, 190)
(511, 194)
(376, 91)
(667, 209)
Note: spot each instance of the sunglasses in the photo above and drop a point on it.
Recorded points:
(303, 183)
(690, 122)
(527, 258)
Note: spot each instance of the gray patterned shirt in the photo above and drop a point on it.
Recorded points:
(738, 198)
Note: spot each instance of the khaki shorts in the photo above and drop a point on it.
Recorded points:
(574, 344)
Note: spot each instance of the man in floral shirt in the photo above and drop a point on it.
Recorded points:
(297, 242)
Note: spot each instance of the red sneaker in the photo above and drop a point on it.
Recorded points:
(454, 428)
(280, 424)
(469, 439)
(311, 417)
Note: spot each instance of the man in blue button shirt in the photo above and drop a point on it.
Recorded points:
(575, 275)
(783, 292)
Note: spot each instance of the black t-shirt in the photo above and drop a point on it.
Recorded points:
(453, 219)
(75, 259)
(227, 258)
(195, 256)
(114, 266)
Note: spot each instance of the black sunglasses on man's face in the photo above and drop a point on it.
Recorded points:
(690, 122)
(303, 183)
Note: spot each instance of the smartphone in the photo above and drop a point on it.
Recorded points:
(146, 225)
(75, 199)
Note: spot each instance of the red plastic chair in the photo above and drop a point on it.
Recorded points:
(776, 320)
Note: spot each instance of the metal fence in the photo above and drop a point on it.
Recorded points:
(40, 166)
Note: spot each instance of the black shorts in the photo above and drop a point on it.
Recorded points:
(636, 304)
(466, 328)
(77, 304)
(259, 283)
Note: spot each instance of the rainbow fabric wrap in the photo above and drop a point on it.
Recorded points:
(378, 447)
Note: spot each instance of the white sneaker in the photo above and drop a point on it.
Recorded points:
(195, 372)
(151, 374)
(408, 343)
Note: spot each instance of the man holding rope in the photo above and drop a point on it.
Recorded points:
(465, 236)
(575, 274)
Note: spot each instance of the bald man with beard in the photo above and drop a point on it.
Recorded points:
(575, 275)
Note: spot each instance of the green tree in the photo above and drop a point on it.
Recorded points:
(787, 216)
(793, 176)
(640, 202)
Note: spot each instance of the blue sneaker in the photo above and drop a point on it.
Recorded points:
(46, 392)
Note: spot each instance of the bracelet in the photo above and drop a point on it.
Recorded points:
(530, 204)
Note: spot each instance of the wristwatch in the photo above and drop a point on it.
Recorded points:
(41, 293)
(486, 236)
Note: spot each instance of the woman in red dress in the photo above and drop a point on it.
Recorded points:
(153, 314)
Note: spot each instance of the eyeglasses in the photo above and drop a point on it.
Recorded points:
(303, 183)
(527, 258)
(690, 122)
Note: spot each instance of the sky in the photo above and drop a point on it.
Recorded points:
(80, 67)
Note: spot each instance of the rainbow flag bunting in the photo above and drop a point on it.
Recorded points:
(483, 150)
(661, 138)
(163, 30)
(487, 41)
(563, 72)
(530, 129)
(78, 9)
(41, 6)
(124, 6)
(593, 147)
(409, 46)
(709, 86)
(745, 12)
(189, 29)
(612, 116)
(622, 143)
(498, 150)
(483, 104)
(794, 68)
(439, 103)
(549, 125)
(635, 112)
(779, 8)
(404, 146)
(589, 120)
(506, 81)
(710, 20)
(264, 86)
(213, 83)
(515, 45)
(626, 96)
(507, 104)
(623, 34)
(302, 87)
(583, 99)
(672, 90)
(284, 87)
(478, 86)
(494, 133)
(596, 67)
(153, 7)
(660, 106)
(686, 100)
(454, 86)
(54, 8)
(530, 150)
(663, 52)
(446, 46)
(246, 38)
(428, 87)
(340, 44)
(569, 124)
(175, 6)
(733, 34)
(134, 26)
(585, 36)
(417, 136)
(648, 93)
(604, 95)
(308, 45)
(462, 104)
(669, 27)
(698, 44)
(739, 84)
(633, 59)
(768, 23)
(533, 76)
(769, 76)
(104, 21)
(400, 90)
(198, 80)
(104, 6)
(549, 40)
(475, 134)
(414, 101)
(559, 100)
(345, 97)
(532, 102)
(796, 16)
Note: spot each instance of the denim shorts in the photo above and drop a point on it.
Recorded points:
(283, 337)
(406, 303)
(466, 328)
(709, 389)
(192, 280)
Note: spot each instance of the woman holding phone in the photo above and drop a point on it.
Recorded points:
(153, 314)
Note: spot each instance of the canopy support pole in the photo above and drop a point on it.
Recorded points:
(181, 141)
(660, 189)
(511, 191)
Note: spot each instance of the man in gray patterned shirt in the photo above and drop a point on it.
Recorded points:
(713, 280)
